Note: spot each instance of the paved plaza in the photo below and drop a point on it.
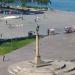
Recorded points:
(60, 46)
(20, 28)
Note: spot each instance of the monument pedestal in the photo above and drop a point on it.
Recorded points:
(47, 67)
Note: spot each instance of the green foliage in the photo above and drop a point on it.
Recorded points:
(15, 44)
(7, 1)
(41, 1)
(10, 1)
(1, 0)
(24, 2)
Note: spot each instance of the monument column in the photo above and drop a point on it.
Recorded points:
(37, 53)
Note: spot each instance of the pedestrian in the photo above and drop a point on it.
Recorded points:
(22, 17)
(3, 57)
(48, 31)
(35, 20)
(6, 22)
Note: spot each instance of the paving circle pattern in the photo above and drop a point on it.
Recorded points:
(47, 67)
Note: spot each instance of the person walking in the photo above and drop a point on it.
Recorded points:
(3, 57)
(6, 22)
(48, 32)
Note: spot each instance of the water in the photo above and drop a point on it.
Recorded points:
(65, 5)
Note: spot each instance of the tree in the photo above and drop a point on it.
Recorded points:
(42, 1)
(4, 2)
(50, 2)
(8, 1)
(23, 2)
(1, 0)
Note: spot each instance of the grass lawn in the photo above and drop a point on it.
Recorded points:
(9, 46)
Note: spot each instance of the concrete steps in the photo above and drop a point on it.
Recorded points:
(58, 67)
(14, 69)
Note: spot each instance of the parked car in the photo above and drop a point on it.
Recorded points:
(68, 29)
(31, 34)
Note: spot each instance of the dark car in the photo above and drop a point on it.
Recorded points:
(31, 34)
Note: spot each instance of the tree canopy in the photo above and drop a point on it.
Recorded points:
(7, 1)
(42, 1)
(39, 1)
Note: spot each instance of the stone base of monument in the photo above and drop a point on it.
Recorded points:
(47, 67)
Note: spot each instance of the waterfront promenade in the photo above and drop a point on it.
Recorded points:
(60, 46)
